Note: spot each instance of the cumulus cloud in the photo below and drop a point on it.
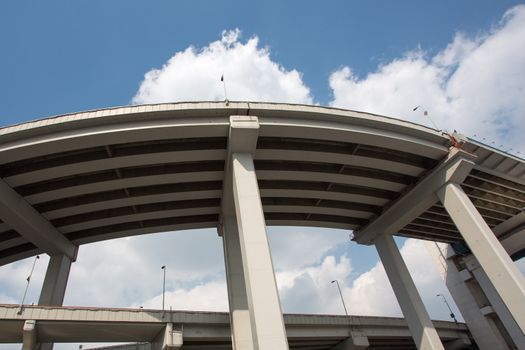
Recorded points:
(250, 74)
(475, 85)
(289, 244)
(13, 280)
(308, 290)
(370, 294)
(127, 271)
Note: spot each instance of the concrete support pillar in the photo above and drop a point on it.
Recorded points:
(55, 282)
(353, 343)
(263, 299)
(496, 263)
(168, 338)
(54, 287)
(421, 327)
(241, 328)
(29, 335)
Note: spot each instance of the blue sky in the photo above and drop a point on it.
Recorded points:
(67, 56)
(462, 60)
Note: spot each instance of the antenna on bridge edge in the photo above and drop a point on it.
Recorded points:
(226, 101)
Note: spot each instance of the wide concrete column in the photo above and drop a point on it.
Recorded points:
(55, 282)
(421, 327)
(263, 298)
(240, 323)
(492, 257)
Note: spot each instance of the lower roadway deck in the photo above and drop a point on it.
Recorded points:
(209, 330)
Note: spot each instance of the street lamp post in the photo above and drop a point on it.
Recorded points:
(449, 309)
(341, 294)
(163, 285)
(27, 285)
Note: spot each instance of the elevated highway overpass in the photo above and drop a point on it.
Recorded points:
(86, 177)
(210, 330)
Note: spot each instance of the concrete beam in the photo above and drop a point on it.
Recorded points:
(242, 138)
(357, 341)
(168, 339)
(494, 260)
(55, 282)
(24, 219)
(29, 335)
(132, 346)
(455, 168)
(421, 327)
(96, 325)
(458, 344)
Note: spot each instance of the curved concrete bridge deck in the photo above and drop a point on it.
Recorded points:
(240, 166)
(133, 170)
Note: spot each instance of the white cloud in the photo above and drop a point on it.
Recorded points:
(475, 85)
(250, 74)
(211, 296)
(373, 295)
(7, 299)
(521, 265)
(13, 280)
(127, 271)
(289, 244)
(308, 290)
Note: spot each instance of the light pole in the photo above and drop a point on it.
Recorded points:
(425, 113)
(163, 285)
(341, 294)
(27, 285)
(449, 309)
